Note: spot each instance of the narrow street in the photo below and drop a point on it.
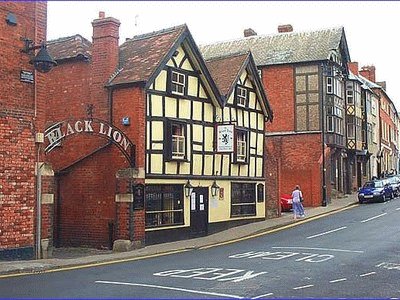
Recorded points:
(354, 253)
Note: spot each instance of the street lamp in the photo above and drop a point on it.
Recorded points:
(214, 189)
(188, 188)
(42, 62)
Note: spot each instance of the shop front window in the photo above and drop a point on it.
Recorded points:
(164, 205)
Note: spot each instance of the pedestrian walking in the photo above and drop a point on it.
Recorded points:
(297, 198)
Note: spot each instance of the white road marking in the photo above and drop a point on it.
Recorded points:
(303, 287)
(261, 296)
(169, 288)
(398, 208)
(326, 232)
(338, 280)
(378, 216)
(367, 274)
(324, 249)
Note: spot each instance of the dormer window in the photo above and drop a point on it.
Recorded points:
(241, 96)
(178, 82)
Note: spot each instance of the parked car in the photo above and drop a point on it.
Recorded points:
(394, 181)
(376, 190)
(286, 202)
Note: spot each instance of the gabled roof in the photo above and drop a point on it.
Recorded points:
(141, 55)
(70, 47)
(284, 48)
(226, 70)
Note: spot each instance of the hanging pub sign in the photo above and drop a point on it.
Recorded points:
(225, 137)
(57, 132)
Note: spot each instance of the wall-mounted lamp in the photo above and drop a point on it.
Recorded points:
(42, 62)
(188, 188)
(214, 189)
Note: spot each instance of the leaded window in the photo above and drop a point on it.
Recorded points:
(164, 205)
(243, 199)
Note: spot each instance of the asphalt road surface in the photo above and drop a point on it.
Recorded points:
(351, 254)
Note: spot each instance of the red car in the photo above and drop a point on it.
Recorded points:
(286, 202)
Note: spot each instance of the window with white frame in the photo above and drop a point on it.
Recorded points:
(329, 85)
(241, 96)
(329, 124)
(350, 128)
(241, 146)
(178, 141)
(178, 82)
(350, 96)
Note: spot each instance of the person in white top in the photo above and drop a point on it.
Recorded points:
(298, 209)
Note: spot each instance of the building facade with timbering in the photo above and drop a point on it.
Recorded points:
(306, 143)
(147, 144)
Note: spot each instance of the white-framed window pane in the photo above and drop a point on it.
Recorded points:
(241, 96)
(241, 147)
(177, 83)
(178, 141)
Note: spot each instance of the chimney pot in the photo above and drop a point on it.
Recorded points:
(102, 15)
(249, 32)
(285, 28)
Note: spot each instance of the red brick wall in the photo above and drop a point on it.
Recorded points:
(131, 102)
(278, 82)
(21, 116)
(298, 164)
(86, 200)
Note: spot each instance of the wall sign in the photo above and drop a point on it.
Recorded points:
(26, 76)
(225, 134)
(138, 196)
(57, 132)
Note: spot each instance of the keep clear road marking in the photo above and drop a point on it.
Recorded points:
(378, 216)
(326, 232)
(323, 249)
(367, 274)
(169, 288)
(303, 287)
(338, 280)
(262, 296)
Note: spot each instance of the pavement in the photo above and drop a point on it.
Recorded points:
(72, 258)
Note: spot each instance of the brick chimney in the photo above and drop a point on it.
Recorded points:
(249, 32)
(105, 56)
(368, 72)
(353, 66)
(285, 28)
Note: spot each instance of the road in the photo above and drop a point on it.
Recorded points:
(351, 254)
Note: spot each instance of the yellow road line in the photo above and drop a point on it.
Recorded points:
(93, 264)
(277, 229)
(172, 252)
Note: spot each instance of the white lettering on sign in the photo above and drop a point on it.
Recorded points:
(59, 131)
(307, 257)
(218, 274)
(389, 266)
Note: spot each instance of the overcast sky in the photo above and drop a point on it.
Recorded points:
(372, 28)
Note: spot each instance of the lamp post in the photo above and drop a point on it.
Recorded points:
(323, 119)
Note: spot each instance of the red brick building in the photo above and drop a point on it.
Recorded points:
(303, 74)
(389, 151)
(25, 198)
